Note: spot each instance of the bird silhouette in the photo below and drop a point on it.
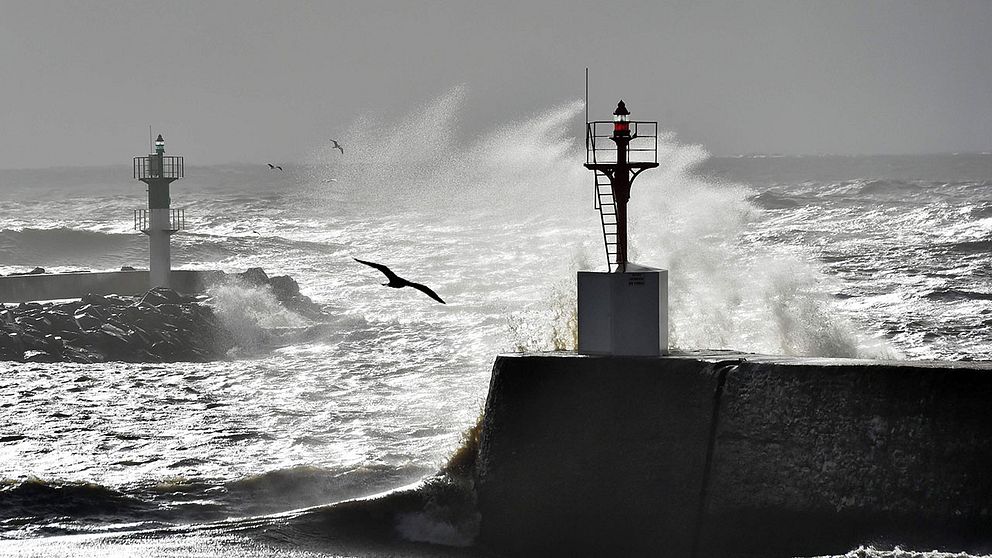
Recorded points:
(337, 146)
(271, 166)
(397, 282)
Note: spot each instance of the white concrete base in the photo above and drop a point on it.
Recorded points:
(623, 313)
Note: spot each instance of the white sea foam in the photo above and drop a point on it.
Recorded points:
(726, 290)
(247, 311)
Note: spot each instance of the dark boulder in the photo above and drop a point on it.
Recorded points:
(33, 323)
(98, 300)
(41, 356)
(11, 346)
(82, 355)
(162, 295)
(284, 287)
(88, 319)
(34, 341)
(253, 276)
(35, 271)
(60, 321)
(160, 326)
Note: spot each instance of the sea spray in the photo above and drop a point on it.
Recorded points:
(248, 311)
(728, 289)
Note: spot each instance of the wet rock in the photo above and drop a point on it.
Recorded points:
(26, 307)
(284, 287)
(88, 319)
(97, 300)
(304, 306)
(82, 355)
(162, 295)
(61, 321)
(105, 343)
(35, 271)
(33, 323)
(54, 343)
(33, 341)
(41, 356)
(11, 346)
(160, 326)
(253, 276)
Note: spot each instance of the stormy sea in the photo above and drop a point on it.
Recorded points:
(270, 451)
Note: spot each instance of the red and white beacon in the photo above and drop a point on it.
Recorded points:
(623, 310)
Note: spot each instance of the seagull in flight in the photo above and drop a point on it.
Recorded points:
(397, 282)
(337, 146)
(273, 167)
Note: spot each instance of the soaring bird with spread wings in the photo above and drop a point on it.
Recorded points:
(337, 146)
(397, 282)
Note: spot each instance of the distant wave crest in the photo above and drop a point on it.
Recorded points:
(70, 247)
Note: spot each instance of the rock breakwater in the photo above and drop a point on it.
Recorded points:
(161, 325)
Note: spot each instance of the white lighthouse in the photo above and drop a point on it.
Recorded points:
(159, 221)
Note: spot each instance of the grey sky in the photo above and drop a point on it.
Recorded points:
(268, 81)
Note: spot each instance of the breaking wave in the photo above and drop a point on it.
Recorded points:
(725, 289)
(64, 507)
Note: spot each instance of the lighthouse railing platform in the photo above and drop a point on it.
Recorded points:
(176, 219)
(642, 148)
(158, 166)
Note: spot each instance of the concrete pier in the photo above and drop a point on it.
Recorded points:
(728, 454)
(51, 286)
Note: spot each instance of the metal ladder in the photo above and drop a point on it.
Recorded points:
(607, 207)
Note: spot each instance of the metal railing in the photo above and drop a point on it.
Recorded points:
(642, 148)
(158, 166)
(143, 219)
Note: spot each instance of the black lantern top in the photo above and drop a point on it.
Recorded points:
(159, 145)
(621, 124)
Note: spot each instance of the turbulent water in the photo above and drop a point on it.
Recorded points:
(832, 256)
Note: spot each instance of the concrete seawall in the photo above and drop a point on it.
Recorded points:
(51, 286)
(726, 454)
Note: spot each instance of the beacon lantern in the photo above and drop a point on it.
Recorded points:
(621, 120)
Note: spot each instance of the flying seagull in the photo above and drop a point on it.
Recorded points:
(398, 282)
(337, 146)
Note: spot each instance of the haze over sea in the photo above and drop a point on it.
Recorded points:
(867, 256)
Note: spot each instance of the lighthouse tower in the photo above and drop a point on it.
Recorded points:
(159, 221)
(623, 311)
